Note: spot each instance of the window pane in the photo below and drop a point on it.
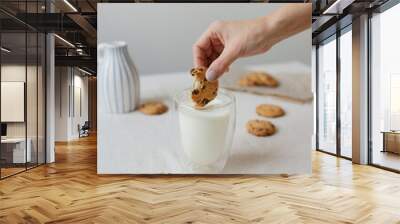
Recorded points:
(41, 98)
(32, 89)
(386, 89)
(31, 99)
(327, 97)
(346, 94)
(14, 153)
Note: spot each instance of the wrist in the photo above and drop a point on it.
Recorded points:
(270, 29)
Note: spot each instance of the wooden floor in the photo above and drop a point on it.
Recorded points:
(5, 172)
(70, 191)
(387, 159)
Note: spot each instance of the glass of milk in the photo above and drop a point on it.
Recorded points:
(206, 133)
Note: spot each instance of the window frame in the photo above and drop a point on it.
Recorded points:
(333, 37)
(378, 10)
(31, 30)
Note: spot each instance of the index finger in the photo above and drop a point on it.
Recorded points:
(202, 49)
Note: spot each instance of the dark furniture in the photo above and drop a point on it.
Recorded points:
(391, 141)
(84, 129)
(3, 129)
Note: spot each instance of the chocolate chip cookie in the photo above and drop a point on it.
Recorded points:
(258, 79)
(153, 108)
(268, 110)
(203, 90)
(260, 128)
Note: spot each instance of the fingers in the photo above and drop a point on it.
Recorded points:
(222, 63)
(212, 51)
(200, 58)
(202, 49)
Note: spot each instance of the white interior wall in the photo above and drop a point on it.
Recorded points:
(68, 80)
(79, 117)
(164, 44)
(17, 73)
(82, 83)
(14, 73)
(61, 103)
(33, 126)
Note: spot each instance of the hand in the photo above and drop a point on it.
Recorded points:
(225, 41)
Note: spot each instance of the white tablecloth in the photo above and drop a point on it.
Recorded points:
(134, 143)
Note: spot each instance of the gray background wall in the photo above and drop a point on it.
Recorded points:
(160, 37)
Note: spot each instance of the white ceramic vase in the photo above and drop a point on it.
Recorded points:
(118, 78)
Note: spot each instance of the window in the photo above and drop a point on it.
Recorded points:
(22, 101)
(394, 102)
(385, 89)
(327, 96)
(346, 75)
(334, 106)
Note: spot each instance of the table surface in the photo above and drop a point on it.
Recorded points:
(13, 140)
(134, 143)
(390, 132)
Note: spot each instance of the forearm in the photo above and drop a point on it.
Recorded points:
(226, 41)
(287, 21)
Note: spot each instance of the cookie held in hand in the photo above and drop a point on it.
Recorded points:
(258, 79)
(260, 128)
(153, 108)
(269, 110)
(203, 91)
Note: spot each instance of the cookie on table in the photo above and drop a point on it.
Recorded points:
(203, 91)
(153, 108)
(269, 110)
(258, 79)
(260, 128)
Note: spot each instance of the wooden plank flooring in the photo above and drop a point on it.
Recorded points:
(70, 191)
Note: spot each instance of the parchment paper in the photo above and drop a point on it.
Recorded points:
(294, 81)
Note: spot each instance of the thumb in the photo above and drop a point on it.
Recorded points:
(221, 64)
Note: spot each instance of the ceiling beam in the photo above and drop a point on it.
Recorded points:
(86, 26)
(337, 7)
(49, 22)
(81, 61)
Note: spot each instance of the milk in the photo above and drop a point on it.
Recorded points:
(204, 132)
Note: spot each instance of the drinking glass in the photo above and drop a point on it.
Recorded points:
(206, 133)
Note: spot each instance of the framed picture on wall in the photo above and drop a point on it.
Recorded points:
(12, 101)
